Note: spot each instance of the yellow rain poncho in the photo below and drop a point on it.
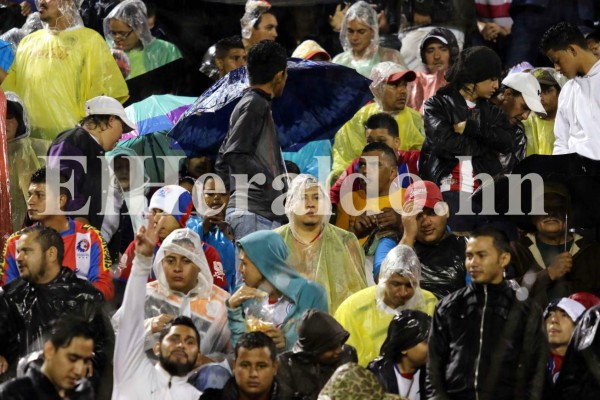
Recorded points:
(366, 316)
(334, 259)
(56, 72)
(540, 135)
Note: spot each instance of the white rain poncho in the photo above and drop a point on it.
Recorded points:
(154, 52)
(23, 162)
(334, 259)
(379, 76)
(254, 10)
(363, 12)
(15, 35)
(401, 260)
(205, 303)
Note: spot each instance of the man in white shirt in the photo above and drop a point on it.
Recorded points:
(577, 124)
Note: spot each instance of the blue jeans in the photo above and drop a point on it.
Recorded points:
(243, 223)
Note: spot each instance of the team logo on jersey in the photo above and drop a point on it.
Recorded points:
(83, 245)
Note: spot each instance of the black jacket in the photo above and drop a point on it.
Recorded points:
(36, 386)
(506, 362)
(39, 305)
(252, 147)
(299, 373)
(383, 368)
(230, 392)
(488, 133)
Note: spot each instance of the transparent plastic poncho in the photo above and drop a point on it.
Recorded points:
(69, 10)
(379, 76)
(134, 14)
(15, 35)
(253, 12)
(401, 260)
(361, 11)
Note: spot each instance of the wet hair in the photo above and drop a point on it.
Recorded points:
(500, 239)
(256, 340)
(383, 121)
(265, 59)
(181, 320)
(226, 44)
(39, 177)
(95, 120)
(560, 36)
(67, 327)
(47, 237)
(384, 148)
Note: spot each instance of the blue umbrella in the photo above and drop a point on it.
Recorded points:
(319, 97)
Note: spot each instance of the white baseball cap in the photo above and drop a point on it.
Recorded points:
(104, 105)
(529, 87)
(573, 308)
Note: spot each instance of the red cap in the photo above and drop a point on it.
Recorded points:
(423, 193)
(588, 300)
(407, 75)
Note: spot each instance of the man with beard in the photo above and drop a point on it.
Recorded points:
(177, 348)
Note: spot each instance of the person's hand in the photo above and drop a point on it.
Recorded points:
(387, 219)
(421, 19)
(242, 294)
(25, 8)
(560, 266)
(146, 239)
(335, 20)
(157, 324)
(460, 127)
(363, 225)
(491, 31)
(277, 336)
(409, 222)
(382, 21)
(3, 365)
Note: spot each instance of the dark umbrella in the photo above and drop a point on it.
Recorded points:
(579, 174)
(319, 97)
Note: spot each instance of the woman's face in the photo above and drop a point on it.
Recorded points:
(123, 35)
(359, 35)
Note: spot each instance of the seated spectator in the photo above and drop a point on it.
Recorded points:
(255, 369)
(400, 367)
(368, 313)
(425, 223)
(46, 291)
(560, 317)
(178, 347)
(389, 87)
(539, 128)
(211, 226)
(593, 42)
(311, 50)
(563, 262)
(359, 36)
(258, 23)
(320, 251)
(494, 25)
(126, 28)
(85, 250)
(195, 167)
(68, 355)
(318, 352)
(171, 207)
(381, 128)
(376, 215)
(439, 51)
(230, 54)
(184, 286)
(263, 256)
(353, 382)
(79, 62)
(21, 158)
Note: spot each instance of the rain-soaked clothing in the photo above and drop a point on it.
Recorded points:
(23, 162)
(365, 314)
(540, 134)
(299, 371)
(486, 344)
(153, 52)
(39, 305)
(64, 69)
(135, 377)
(268, 252)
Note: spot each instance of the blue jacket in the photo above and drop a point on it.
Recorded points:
(268, 251)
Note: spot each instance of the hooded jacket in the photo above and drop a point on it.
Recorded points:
(486, 344)
(268, 252)
(487, 134)
(300, 372)
(230, 392)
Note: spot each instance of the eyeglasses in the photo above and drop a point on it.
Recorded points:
(122, 35)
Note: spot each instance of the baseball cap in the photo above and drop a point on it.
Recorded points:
(549, 76)
(426, 193)
(104, 105)
(573, 308)
(529, 87)
(401, 72)
(587, 299)
(438, 37)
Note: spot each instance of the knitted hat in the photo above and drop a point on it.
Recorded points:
(173, 200)
(475, 64)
